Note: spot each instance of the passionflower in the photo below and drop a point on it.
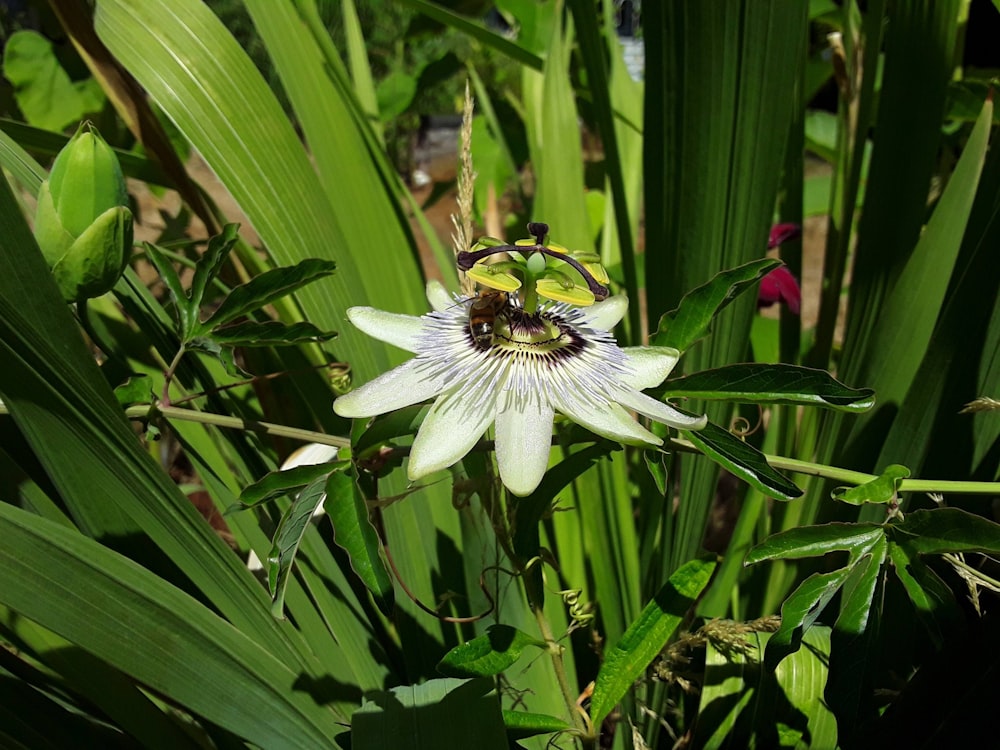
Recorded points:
(559, 358)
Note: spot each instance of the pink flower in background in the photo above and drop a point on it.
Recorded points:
(780, 285)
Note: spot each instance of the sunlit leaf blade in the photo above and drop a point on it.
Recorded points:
(278, 483)
(932, 599)
(692, 318)
(802, 677)
(437, 714)
(883, 489)
(271, 333)
(20, 164)
(266, 288)
(743, 460)
(646, 637)
(287, 538)
(99, 600)
(206, 270)
(934, 532)
(353, 532)
(813, 541)
(488, 654)
(169, 276)
(521, 724)
(800, 610)
(729, 695)
(135, 390)
(771, 384)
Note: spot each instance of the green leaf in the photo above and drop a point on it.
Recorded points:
(692, 318)
(137, 389)
(99, 600)
(271, 333)
(169, 276)
(882, 489)
(800, 610)
(934, 532)
(521, 724)
(353, 532)
(278, 483)
(932, 599)
(287, 538)
(645, 638)
(771, 384)
(488, 654)
(394, 94)
(743, 460)
(205, 271)
(437, 714)
(265, 289)
(813, 541)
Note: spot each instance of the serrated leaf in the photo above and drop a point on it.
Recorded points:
(488, 654)
(277, 483)
(206, 269)
(646, 637)
(521, 724)
(882, 489)
(692, 319)
(771, 384)
(266, 288)
(934, 532)
(270, 333)
(137, 389)
(354, 533)
(800, 610)
(743, 460)
(813, 541)
(286, 541)
(931, 597)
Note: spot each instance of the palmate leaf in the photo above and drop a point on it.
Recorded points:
(771, 384)
(646, 637)
(488, 654)
(743, 460)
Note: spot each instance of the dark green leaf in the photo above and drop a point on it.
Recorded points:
(387, 427)
(646, 637)
(933, 600)
(882, 489)
(169, 276)
(271, 333)
(813, 541)
(278, 483)
(800, 611)
(934, 532)
(206, 270)
(287, 538)
(353, 532)
(771, 384)
(395, 92)
(859, 589)
(692, 319)
(266, 288)
(488, 654)
(743, 460)
(521, 724)
(137, 389)
(445, 713)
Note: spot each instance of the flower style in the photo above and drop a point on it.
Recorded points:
(558, 359)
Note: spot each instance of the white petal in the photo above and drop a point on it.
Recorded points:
(607, 314)
(524, 439)
(613, 423)
(450, 429)
(310, 455)
(439, 297)
(660, 411)
(405, 385)
(392, 328)
(648, 366)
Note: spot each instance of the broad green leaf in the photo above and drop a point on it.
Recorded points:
(743, 460)
(521, 724)
(771, 384)
(932, 599)
(625, 662)
(437, 714)
(387, 427)
(353, 532)
(882, 489)
(488, 654)
(800, 610)
(205, 271)
(99, 600)
(287, 538)
(271, 333)
(395, 93)
(934, 532)
(137, 389)
(803, 678)
(266, 288)
(813, 541)
(278, 483)
(692, 318)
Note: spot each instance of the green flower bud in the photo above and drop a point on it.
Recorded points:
(82, 224)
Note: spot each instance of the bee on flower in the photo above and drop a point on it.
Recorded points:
(535, 342)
